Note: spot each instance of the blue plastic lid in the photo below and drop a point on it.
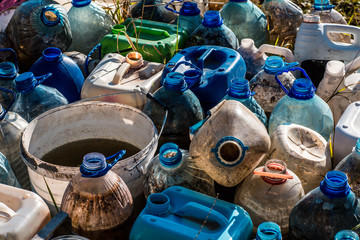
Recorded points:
(158, 204)
(189, 9)
(346, 235)
(50, 16)
(335, 185)
(239, 88)
(323, 5)
(212, 19)
(357, 147)
(175, 82)
(273, 64)
(25, 82)
(52, 54)
(170, 155)
(268, 231)
(80, 3)
(7, 71)
(302, 89)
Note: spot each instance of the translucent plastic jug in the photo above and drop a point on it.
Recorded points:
(80, 60)
(128, 76)
(230, 143)
(153, 10)
(267, 90)
(174, 167)
(346, 235)
(325, 210)
(268, 231)
(66, 76)
(184, 110)
(33, 98)
(304, 151)
(270, 194)
(8, 73)
(98, 200)
(213, 31)
(89, 24)
(245, 19)
(302, 106)
(179, 214)
(7, 175)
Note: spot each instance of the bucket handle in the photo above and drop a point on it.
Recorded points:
(170, 9)
(15, 57)
(191, 65)
(288, 70)
(3, 114)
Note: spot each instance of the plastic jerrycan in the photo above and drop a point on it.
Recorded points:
(231, 142)
(153, 10)
(268, 231)
(182, 214)
(346, 235)
(326, 210)
(255, 57)
(128, 76)
(23, 213)
(313, 48)
(219, 65)
(269, 194)
(8, 73)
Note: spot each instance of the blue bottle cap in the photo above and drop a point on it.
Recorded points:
(268, 231)
(335, 185)
(302, 89)
(323, 5)
(175, 82)
(80, 3)
(212, 19)
(239, 88)
(273, 64)
(25, 82)
(50, 16)
(7, 71)
(170, 155)
(52, 54)
(357, 147)
(158, 204)
(346, 235)
(189, 9)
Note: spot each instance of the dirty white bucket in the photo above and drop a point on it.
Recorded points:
(87, 120)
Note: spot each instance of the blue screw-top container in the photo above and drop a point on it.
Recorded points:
(179, 214)
(346, 235)
(66, 77)
(268, 231)
(189, 16)
(326, 210)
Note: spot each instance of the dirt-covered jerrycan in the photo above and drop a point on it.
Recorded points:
(304, 151)
(230, 143)
(127, 76)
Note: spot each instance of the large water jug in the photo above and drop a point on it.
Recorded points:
(33, 98)
(267, 90)
(302, 106)
(7, 175)
(183, 106)
(346, 235)
(66, 76)
(230, 143)
(128, 76)
(325, 210)
(8, 73)
(80, 60)
(175, 167)
(36, 25)
(208, 71)
(313, 48)
(304, 151)
(268, 231)
(239, 90)
(255, 58)
(97, 200)
(152, 10)
(89, 24)
(182, 214)
(246, 20)
(213, 31)
(270, 194)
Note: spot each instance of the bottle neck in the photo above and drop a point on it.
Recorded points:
(80, 3)
(7, 71)
(50, 16)
(240, 89)
(273, 64)
(335, 185)
(275, 166)
(268, 231)
(189, 9)
(170, 155)
(212, 19)
(302, 89)
(52, 54)
(175, 82)
(92, 164)
(158, 204)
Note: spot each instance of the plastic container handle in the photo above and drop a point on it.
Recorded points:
(152, 31)
(15, 57)
(200, 62)
(98, 46)
(122, 70)
(339, 28)
(2, 116)
(287, 53)
(170, 9)
(288, 70)
(5, 211)
(191, 65)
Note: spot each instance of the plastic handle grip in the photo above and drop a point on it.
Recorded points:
(200, 62)
(287, 53)
(15, 57)
(339, 28)
(152, 31)
(288, 70)
(170, 9)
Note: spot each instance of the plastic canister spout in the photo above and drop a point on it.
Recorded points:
(346, 235)
(268, 231)
(189, 9)
(26, 82)
(335, 185)
(80, 3)
(135, 59)
(50, 16)
(239, 88)
(275, 64)
(170, 155)
(52, 54)
(158, 204)
(9, 70)
(175, 82)
(274, 172)
(212, 19)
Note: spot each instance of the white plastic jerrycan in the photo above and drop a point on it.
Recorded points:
(230, 143)
(22, 213)
(304, 151)
(127, 76)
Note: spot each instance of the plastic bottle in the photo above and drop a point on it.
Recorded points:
(174, 167)
(302, 106)
(80, 59)
(8, 73)
(245, 19)
(267, 90)
(269, 194)
(239, 90)
(268, 231)
(325, 210)
(98, 200)
(184, 110)
(33, 98)
(89, 24)
(153, 10)
(346, 235)
(213, 31)
(7, 175)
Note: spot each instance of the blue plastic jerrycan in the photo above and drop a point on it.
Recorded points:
(182, 214)
(208, 71)
(66, 77)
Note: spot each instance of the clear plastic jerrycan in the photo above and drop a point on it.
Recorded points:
(245, 19)
(23, 213)
(325, 210)
(128, 76)
(269, 194)
(302, 106)
(304, 151)
(66, 76)
(268, 231)
(89, 24)
(182, 214)
(153, 10)
(267, 90)
(255, 58)
(346, 235)
(175, 167)
(213, 31)
(230, 143)
(97, 200)
(8, 73)
(33, 98)
(7, 175)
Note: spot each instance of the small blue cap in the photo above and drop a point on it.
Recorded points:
(302, 89)
(268, 231)
(7, 71)
(323, 5)
(212, 19)
(50, 16)
(175, 82)
(335, 185)
(51, 54)
(239, 88)
(25, 82)
(170, 155)
(189, 9)
(80, 3)
(273, 64)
